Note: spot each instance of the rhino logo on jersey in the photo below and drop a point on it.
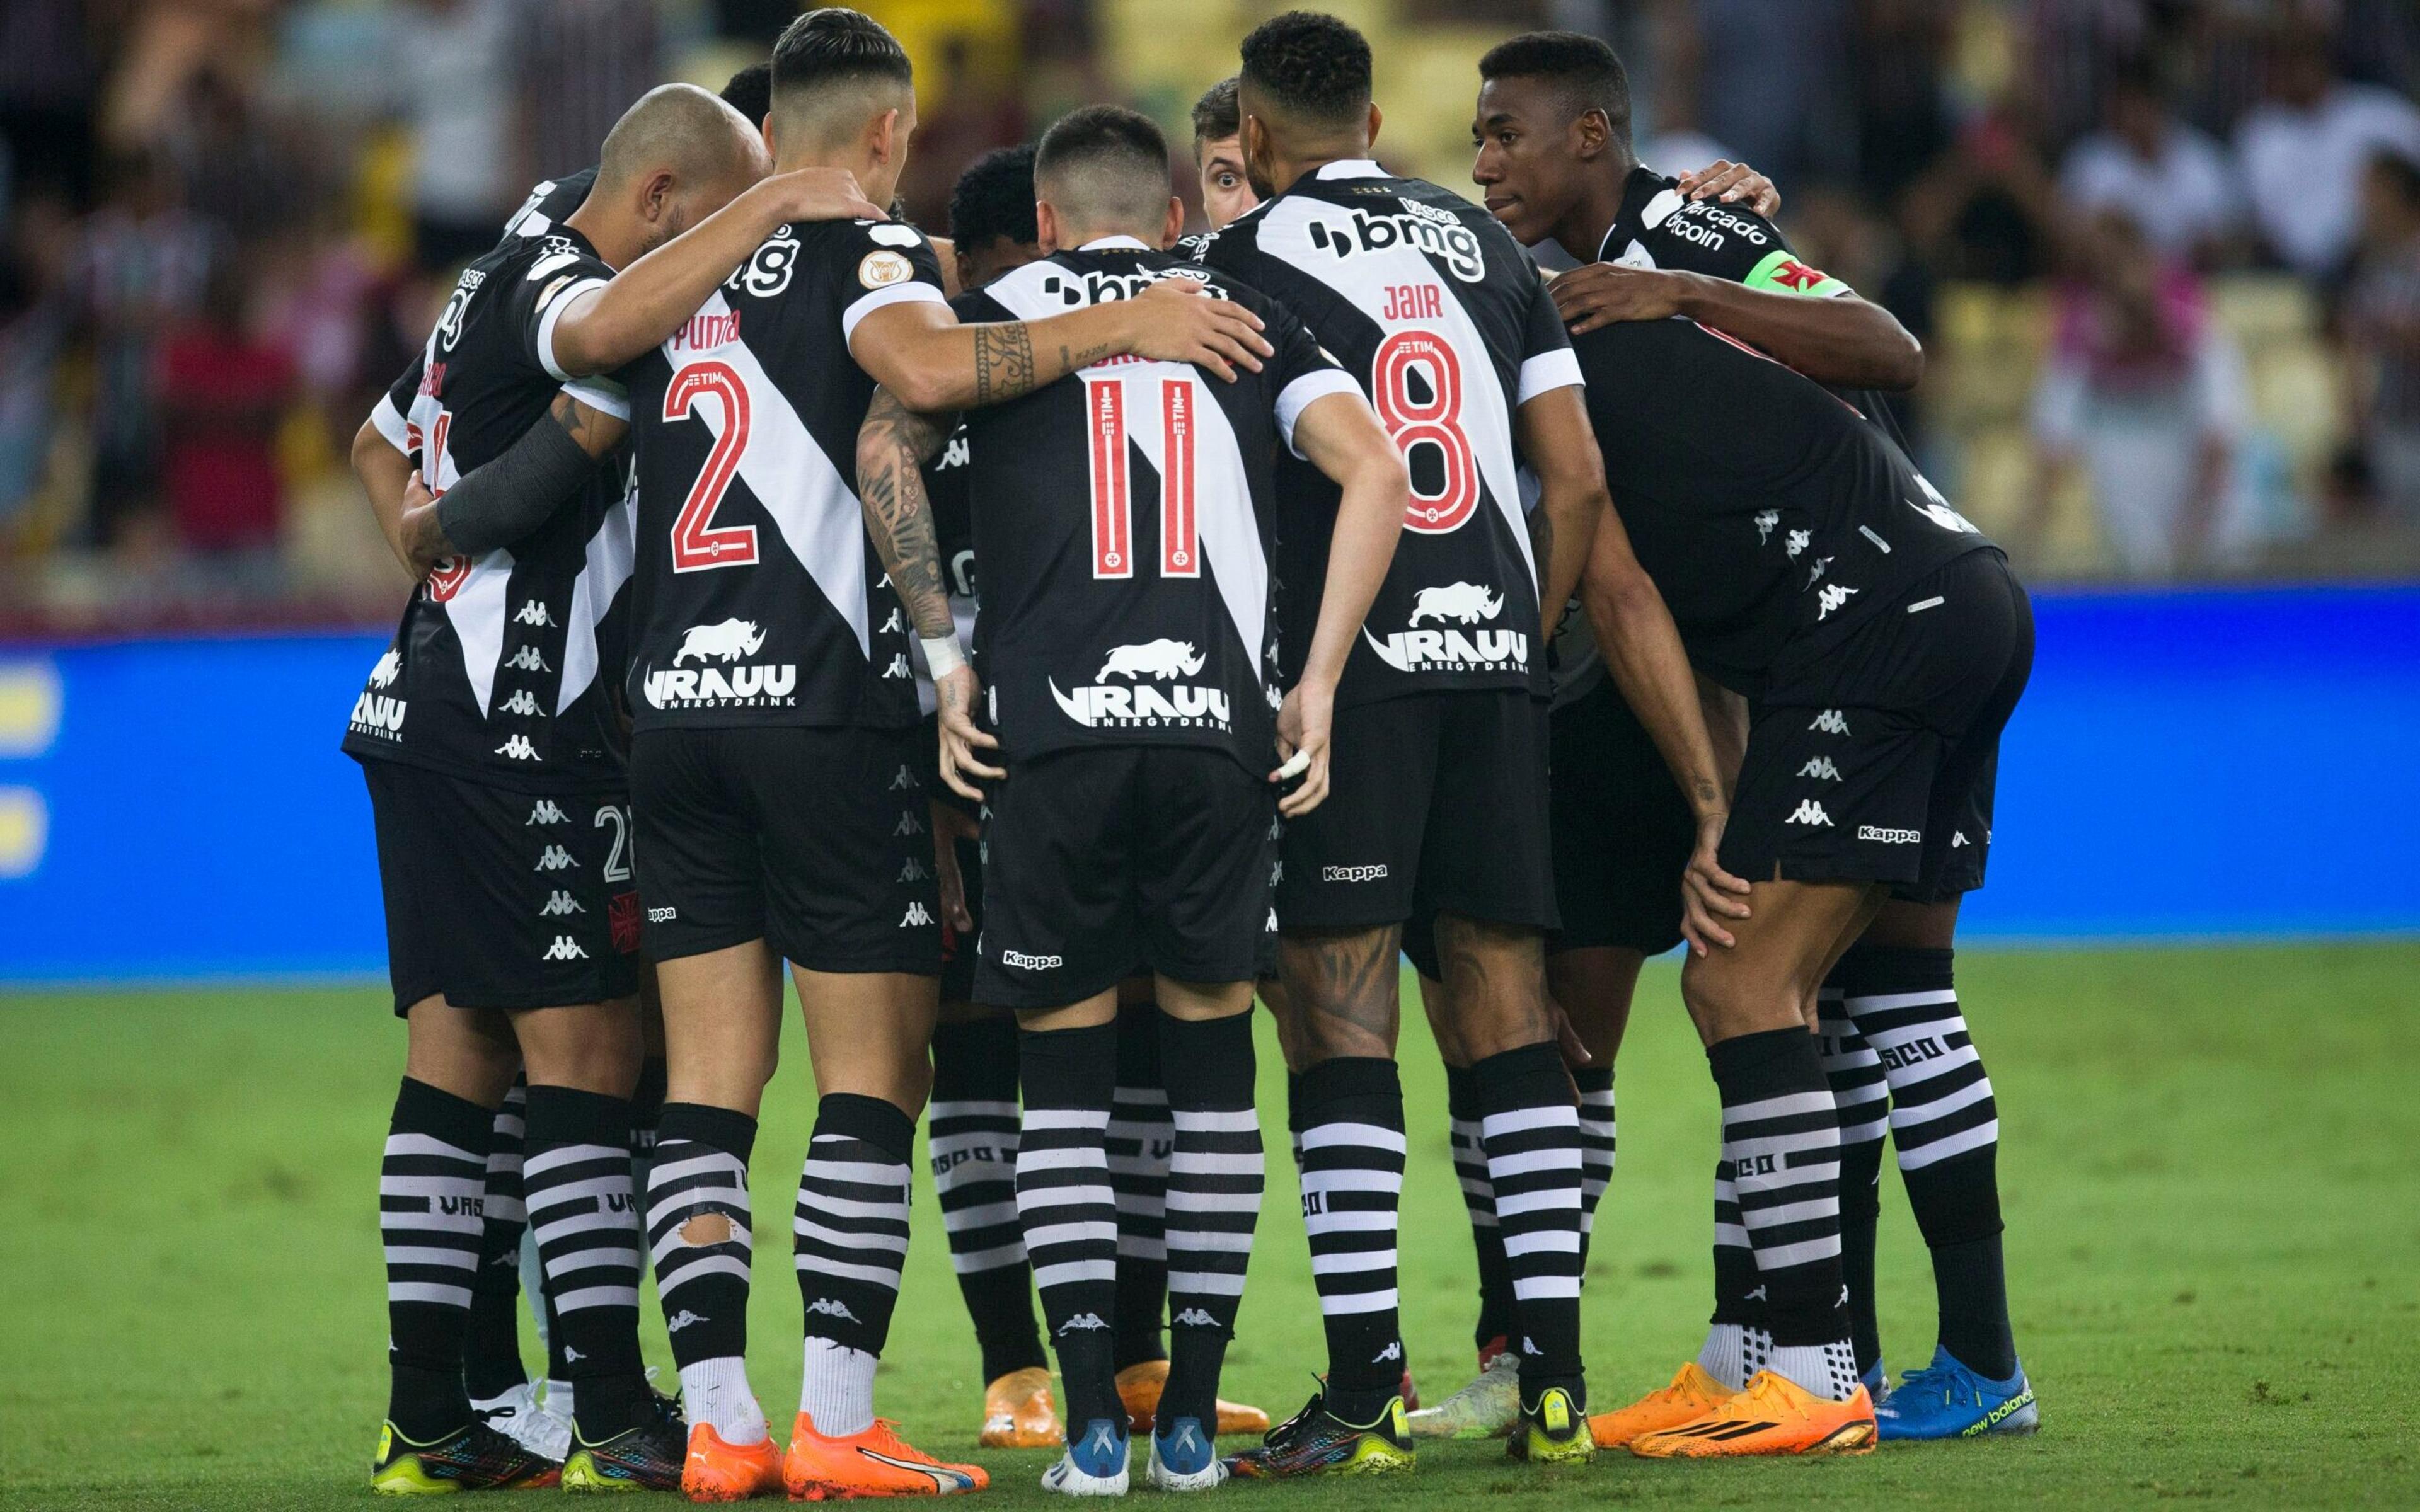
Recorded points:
(1153, 658)
(726, 641)
(383, 675)
(1462, 603)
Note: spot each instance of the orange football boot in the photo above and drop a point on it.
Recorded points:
(872, 1463)
(1020, 1413)
(1775, 1415)
(1139, 1389)
(719, 1471)
(1691, 1395)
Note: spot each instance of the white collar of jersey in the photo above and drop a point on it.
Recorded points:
(1105, 243)
(1351, 168)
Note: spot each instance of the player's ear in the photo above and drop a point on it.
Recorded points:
(1377, 119)
(1046, 226)
(1589, 134)
(655, 194)
(886, 136)
(1174, 225)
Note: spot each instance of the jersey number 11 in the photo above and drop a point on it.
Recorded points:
(1180, 544)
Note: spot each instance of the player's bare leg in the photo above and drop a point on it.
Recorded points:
(870, 1036)
(1782, 1143)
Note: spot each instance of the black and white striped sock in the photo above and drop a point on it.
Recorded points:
(700, 1231)
(584, 1213)
(851, 1232)
(1861, 1093)
(1066, 1203)
(1597, 1129)
(1946, 1128)
(1736, 1345)
(432, 1183)
(970, 1142)
(491, 1345)
(1140, 1142)
(1529, 1125)
(1351, 1131)
(1781, 1136)
(1215, 1180)
(1494, 1328)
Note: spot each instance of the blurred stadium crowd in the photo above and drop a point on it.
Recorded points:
(2165, 253)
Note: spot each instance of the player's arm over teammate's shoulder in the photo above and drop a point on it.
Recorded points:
(514, 492)
(920, 351)
(1750, 285)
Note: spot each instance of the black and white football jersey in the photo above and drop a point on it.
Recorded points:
(550, 202)
(758, 598)
(1444, 321)
(1793, 531)
(502, 666)
(1124, 519)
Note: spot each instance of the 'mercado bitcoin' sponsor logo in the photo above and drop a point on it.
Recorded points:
(1138, 703)
(727, 679)
(1415, 648)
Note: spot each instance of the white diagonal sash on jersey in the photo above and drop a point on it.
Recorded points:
(476, 611)
(609, 554)
(1363, 280)
(810, 504)
(1222, 497)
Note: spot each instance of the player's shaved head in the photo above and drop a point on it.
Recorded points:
(833, 71)
(681, 130)
(1577, 73)
(1104, 170)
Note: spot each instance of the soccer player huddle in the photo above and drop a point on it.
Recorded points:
(1348, 590)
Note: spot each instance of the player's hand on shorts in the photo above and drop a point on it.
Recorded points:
(1177, 322)
(1602, 294)
(1567, 1040)
(1709, 894)
(1736, 183)
(423, 540)
(961, 738)
(820, 194)
(1303, 722)
(950, 824)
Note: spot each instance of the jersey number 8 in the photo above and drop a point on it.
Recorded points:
(1435, 421)
(1180, 546)
(698, 543)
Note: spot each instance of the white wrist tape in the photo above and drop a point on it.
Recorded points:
(943, 654)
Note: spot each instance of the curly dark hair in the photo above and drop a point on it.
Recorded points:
(994, 197)
(1312, 64)
(751, 91)
(1585, 73)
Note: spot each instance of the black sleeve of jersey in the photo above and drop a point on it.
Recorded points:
(875, 263)
(1543, 329)
(1298, 352)
(393, 415)
(1722, 240)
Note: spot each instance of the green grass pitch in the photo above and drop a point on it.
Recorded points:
(2213, 1197)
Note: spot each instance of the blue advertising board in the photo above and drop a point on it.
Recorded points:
(2187, 765)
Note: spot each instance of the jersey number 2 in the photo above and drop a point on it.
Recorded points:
(1433, 422)
(1180, 544)
(698, 543)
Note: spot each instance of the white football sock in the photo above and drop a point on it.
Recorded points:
(715, 1392)
(838, 1389)
(558, 1398)
(1724, 1355)
(1828, 1370)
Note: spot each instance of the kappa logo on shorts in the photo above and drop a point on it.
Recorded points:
(1765, 520)
(1834, 597)
(1958, 837)
(546, 812)
(1890, 837)
(915, 918)
(1832, 723)
(560, 904)
(904, 780)
(565, 949)
(1809, 812)
(913, 871)
(1822, 769)
(555, 858)
(662, 916)
(908, 825)
(1023, 962)
(1353, 873)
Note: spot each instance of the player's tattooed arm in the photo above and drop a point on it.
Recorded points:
(1341, 991)
(891, 447)
(919, 351)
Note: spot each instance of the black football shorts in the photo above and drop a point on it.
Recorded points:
(1437, 801)
(1875, 762)
(503, 900)
(816, 840)
(1101, 862)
